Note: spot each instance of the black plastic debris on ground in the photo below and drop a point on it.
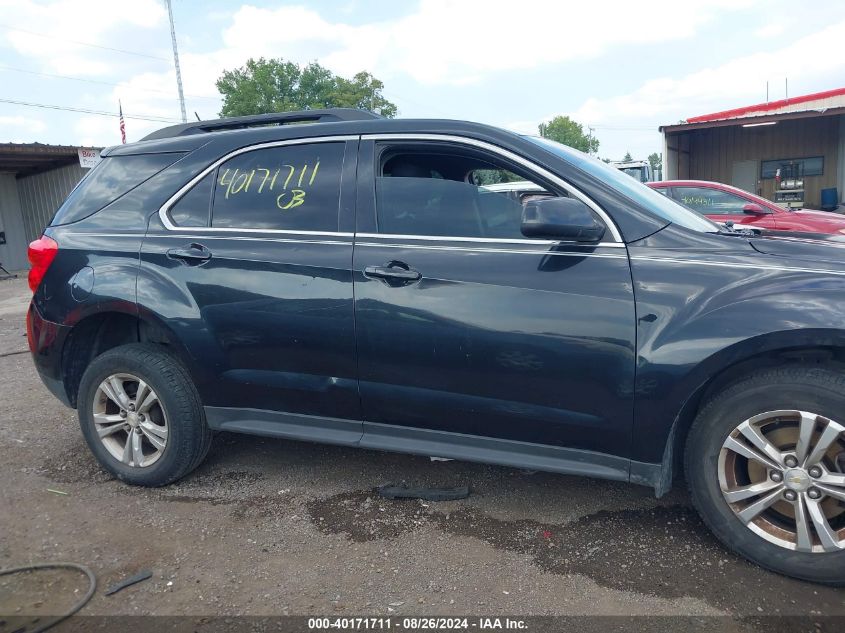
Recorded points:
(389, 491)
(126, 582)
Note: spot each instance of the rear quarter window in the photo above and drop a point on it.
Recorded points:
(114, 177)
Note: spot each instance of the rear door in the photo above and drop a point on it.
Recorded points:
(477, 330)
(250, 268)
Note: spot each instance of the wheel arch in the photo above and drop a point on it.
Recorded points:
(98, 332)
(733, 363)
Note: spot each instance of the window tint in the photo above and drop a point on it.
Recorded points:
(450, 193)
(293, 187)
(710, 201)
(435, 206)
(113, 177)
(193, 208)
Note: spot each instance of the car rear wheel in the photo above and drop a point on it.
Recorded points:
(141, 415)
(765, 462)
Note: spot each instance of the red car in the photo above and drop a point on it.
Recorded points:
(723, 203)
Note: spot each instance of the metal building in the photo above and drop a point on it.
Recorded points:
(787, 150)
(34, 180)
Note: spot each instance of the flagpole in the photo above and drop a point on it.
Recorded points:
(176, 61)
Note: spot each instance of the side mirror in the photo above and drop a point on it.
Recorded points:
(561, 218)
(755, 209)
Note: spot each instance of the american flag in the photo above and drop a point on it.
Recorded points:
(122, 124)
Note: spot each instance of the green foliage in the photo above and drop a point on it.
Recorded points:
(656, 161)
(494, 176)
(628, 156)
(275, 85)
(568, 132)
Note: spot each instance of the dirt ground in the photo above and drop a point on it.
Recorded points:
(268, 527)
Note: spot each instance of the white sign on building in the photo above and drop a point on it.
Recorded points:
(88, 158)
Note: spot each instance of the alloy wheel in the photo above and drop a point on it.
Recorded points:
(781, 474)
(130, 420)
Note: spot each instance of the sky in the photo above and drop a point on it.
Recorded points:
(622, 68)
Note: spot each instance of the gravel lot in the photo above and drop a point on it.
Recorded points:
(268, 527)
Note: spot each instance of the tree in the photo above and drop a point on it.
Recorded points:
(656, 161)
(276, 85)
(628, 156)
(568, 132)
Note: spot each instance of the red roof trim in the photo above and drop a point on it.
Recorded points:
(765, 107)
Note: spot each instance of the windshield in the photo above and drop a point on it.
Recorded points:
(656, 203)
(635, 172)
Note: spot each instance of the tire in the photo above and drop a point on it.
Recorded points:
(808, 389)
(176, 416)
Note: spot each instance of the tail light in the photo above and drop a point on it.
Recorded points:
(41, 254)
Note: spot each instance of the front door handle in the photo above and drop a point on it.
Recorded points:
(192, 254)
(393, 273)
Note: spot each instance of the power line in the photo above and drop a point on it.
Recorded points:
(104, 48)
(624, 127)
(96, 81)
(50, 106)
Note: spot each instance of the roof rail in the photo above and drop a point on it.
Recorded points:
(275, 118)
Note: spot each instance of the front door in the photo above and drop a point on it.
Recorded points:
(464, 326)
(263, 287)
(744, 175)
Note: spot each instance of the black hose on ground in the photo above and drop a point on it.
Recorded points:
(92, 580)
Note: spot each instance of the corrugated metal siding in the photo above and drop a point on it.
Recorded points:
(713, 151)
(43, 193)
(13, 252)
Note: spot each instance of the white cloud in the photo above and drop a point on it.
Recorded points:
(20, 129)
(48, 33)
(630, 121)
(461, 41)
(773, 29)
(738, 82)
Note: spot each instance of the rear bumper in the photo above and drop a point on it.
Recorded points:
(46, 341)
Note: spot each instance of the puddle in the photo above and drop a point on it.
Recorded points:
(663, 551)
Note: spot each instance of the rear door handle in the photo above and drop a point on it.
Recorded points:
(393, 273)
(192, 254)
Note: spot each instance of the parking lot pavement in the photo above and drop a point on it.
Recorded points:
(269, 527)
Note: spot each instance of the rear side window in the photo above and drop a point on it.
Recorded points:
(114, 177)
(193, 208)
(294, 187)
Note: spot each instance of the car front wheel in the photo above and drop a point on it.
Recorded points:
(765, 462)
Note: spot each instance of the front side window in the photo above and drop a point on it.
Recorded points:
(446, 192)
(293, 187)
(710, 201)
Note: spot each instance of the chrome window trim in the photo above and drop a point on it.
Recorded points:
(481, 249)
(486, 240)
(164, 211)
(495, 149)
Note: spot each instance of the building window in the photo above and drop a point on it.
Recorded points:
(792, 167)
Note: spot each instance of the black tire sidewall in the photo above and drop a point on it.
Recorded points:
(145, 362)
(803, 389)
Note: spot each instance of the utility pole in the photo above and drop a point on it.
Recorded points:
(176, 62)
